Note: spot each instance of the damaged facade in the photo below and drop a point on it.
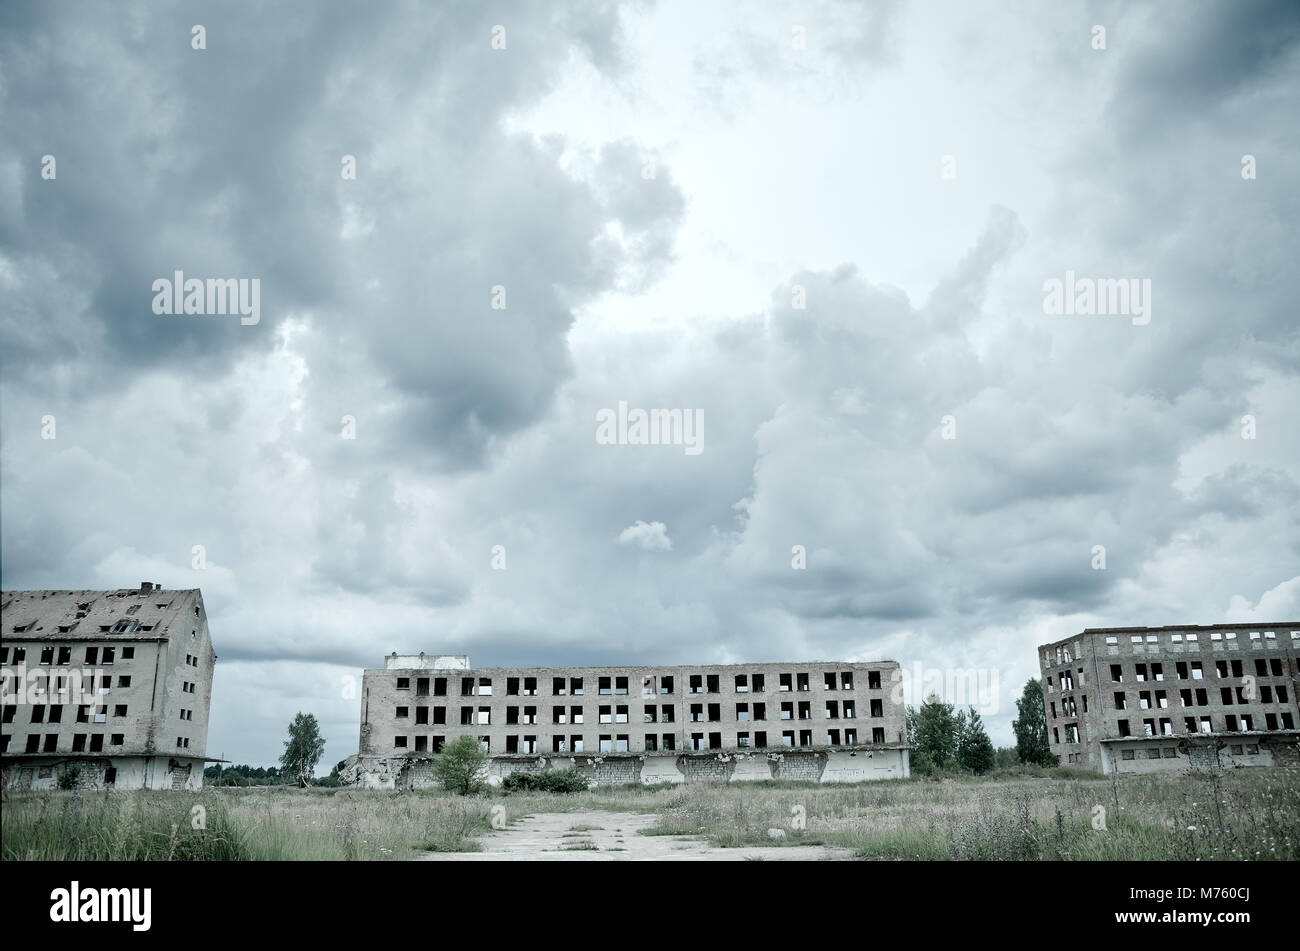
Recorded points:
(826, 722)
(1156, 699)
(114, 683)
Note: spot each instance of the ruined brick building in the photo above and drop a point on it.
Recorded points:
(830, 722)
(115, 683)
(1150, 699)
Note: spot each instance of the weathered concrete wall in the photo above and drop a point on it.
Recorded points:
(375, 772)
(133, 772)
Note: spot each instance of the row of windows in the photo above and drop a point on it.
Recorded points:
(1232, 723)
(59, 683)
(653, 742)
(1066, 653)
(1180, 670)
(1195, 670)
(62, 655)
(614, 685)
(1164, 726)
(1189, 697)
(1171, 752)
(611, 713)
(1200, 697)
(53, 712)
(49, 743)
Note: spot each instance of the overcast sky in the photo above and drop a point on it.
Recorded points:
(657, 187)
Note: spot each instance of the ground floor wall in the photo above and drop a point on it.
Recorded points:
(1165, 755)
(116, 772)
(648, 769)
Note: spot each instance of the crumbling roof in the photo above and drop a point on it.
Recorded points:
(145, 613)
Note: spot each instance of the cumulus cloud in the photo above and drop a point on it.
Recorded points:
(652, 536)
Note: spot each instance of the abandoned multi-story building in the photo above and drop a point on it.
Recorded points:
(115, 684)
(830, 722)
(1148, 699)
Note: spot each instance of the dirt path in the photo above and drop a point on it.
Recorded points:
(613, 836)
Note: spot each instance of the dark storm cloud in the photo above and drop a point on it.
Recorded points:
(226, 162)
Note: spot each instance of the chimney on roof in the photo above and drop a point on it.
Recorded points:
(146, 587)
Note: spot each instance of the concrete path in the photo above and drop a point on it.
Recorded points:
(613, 836)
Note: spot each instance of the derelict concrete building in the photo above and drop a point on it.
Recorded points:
(829, 722)
(115, 683)
(1153, 699)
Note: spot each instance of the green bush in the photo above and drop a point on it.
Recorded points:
(555, 781)
(70, 778)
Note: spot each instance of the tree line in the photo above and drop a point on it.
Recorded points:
(944, 739)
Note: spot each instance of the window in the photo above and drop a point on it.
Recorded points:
(485, 687)
(742, 683)
(757, 682)
(802, 681)
(760, 711)
(666, 686)
(620, 685)
(403, 683)
(849, 710)
(697, 683)
(742, 712)
(828, 680)
(402, 712)
(605, 686)
(711, 682)
(467, 686)
(575, 687)
(399, 742)
(92, 655)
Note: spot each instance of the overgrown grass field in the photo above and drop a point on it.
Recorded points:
(1035, 815)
